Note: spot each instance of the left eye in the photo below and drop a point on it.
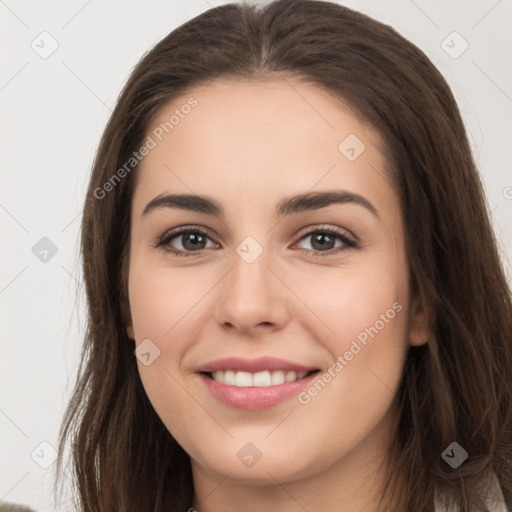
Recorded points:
(325, 240)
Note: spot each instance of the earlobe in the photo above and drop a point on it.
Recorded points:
(418, 324)
(129, 331)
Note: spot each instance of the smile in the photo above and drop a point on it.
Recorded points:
(242, 379)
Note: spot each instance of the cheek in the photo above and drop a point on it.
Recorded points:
(169, 306)
(164, 306)
(362, 322)
(361, 319)
(164, 300)
(347, 302)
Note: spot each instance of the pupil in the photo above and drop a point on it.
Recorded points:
(320, 239)
(191, 241)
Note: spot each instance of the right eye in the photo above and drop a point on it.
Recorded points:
(191, 238)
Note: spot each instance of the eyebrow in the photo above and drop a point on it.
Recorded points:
(295, 204)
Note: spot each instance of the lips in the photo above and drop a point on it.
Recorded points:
(254, 365)
(255, 394)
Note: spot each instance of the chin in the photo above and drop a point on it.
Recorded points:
(274, 465)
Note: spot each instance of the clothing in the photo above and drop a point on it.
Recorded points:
(495, 501)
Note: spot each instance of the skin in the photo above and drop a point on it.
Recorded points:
(248, 145)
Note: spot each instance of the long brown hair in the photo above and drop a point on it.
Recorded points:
(457, 387)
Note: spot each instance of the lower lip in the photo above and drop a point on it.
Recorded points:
(255, 398)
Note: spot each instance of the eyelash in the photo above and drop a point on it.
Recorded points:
(163, 242)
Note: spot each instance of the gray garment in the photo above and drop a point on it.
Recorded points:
(495, 500)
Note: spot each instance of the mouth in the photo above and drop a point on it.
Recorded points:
(255, 391)
(255, 384)
(262, 379)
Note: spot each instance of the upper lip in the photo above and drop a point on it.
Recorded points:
(253, 365)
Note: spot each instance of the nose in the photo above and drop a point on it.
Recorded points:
(254, 298)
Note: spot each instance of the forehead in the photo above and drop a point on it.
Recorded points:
(245, 114)
(252, 140)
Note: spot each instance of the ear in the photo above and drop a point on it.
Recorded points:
(418, 323)
(129, 331)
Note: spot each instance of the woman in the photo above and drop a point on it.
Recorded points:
(285, 225)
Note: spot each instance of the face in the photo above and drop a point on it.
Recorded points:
(309, 296)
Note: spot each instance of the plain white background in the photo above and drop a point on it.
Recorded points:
(53, 112)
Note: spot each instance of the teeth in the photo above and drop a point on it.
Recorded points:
(278, 377)
(259, 379)
(229, 378)
(262, 379)
(243, 379)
